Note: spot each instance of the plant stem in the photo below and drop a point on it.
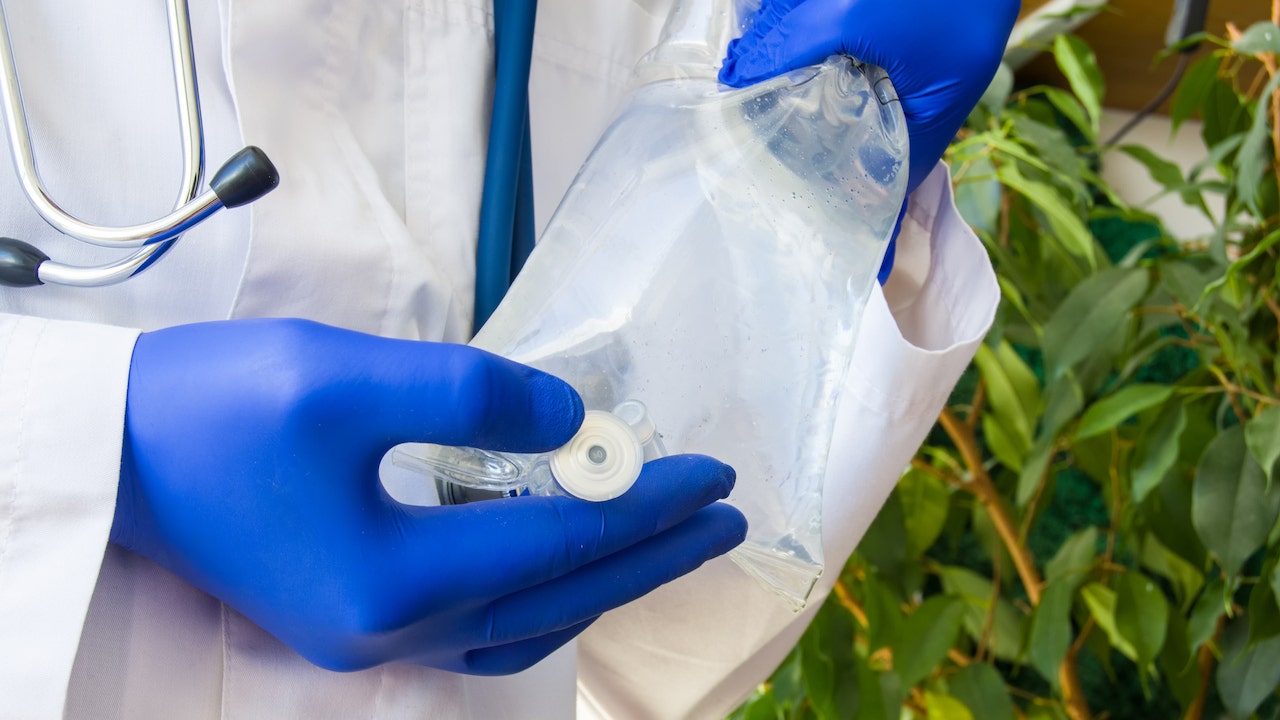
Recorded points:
(1205, 658)
(846, 599)
(975, 408)
(1072, 689)
(980, 486)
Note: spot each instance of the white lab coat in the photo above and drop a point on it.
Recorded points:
(376, 113)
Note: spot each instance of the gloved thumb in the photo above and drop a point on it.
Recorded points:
(459, 395)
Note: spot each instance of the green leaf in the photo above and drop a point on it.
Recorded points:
(981, 688)
(1232, 510)
(827, 662)
(1109, 412)
(1063, 401)
(1261, 37)
(1089, 317)
(1247, 674)
(880, 694)
(1168, 175)
(1184, 281)
(929, 634)
(997, 93)
(1223, 112)
(1067, 104)
(1009, 446)
(1080, 66)
(1008, 628)
(1021, 377)
(1033, 469)
(978, 194)
(1164, 172)
(1157, 451)
(1101, 601)
(943, 707)
(1205, 614)
(817, 669)
(1074, 557)
(1178, 668)
(885, 544)
(1262, 435)
(1142, 615)
(1185, 577)
(1066, 164)
(1194, 88)
(884, 612)
(761, 707)
(1051, 629)
(1046, 712)
(1065, 222)
(1264, 613)
(925, 503)
(1274, 580)
(1252, 161)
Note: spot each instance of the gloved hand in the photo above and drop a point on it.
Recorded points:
(940, 55)
(250, 469)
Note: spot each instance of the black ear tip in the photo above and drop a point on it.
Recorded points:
(20, 263)
(247, 176)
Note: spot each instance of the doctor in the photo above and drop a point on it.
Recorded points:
(191, 523)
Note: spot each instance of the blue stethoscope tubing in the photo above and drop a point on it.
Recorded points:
(506, 234)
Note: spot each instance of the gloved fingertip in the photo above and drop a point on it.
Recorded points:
(557, 406)
(728, 478)
(731, 74)
(730, 525)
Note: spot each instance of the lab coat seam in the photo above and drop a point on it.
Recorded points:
(479, 15)
(10, 518)
(225, 685)
(20, 461)
(228, 68)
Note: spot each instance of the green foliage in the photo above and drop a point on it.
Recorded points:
(1126, 373)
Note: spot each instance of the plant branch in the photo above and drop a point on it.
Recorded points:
(846, 599)
(981, 486)
(975, 408)
(1205, 658)
(1030, 515)
(922, 466)
(1072, 689)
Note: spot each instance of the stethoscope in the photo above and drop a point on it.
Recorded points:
(247, 176)
(506, 233)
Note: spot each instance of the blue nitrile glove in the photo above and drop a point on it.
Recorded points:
(940, 55)
(250, 469)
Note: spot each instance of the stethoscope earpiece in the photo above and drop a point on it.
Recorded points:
(20, 263)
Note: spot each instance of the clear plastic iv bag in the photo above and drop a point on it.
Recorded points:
(711, 261)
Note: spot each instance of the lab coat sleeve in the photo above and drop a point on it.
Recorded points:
(62, 388)
(697, 647)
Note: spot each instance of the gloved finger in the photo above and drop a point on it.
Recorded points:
(522, 542)
(459, 395)
(789, 36)
(761, 21)
(519, 656)
(619, 578)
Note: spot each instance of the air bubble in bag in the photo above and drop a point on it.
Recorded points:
(711, 261)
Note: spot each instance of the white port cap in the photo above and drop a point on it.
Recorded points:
(602, 461)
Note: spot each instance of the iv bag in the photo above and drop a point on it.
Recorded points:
(710, 264)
